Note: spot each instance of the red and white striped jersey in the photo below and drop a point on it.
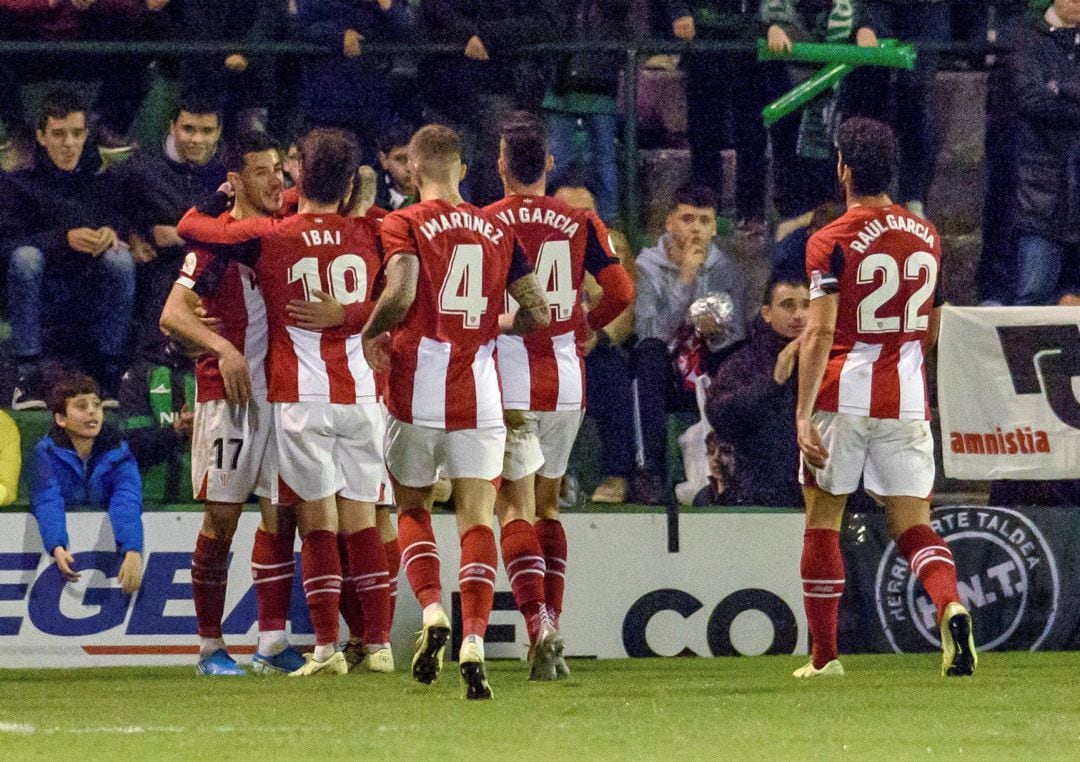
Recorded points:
(291, 259)
(883, 263)
(228, 292)
(545, 370)
(442, 358)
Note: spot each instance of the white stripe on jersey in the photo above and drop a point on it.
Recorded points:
(257, 333)
(312, 379)
(514, 372)
(360, 370)
(489, 408)
(566, 358)
(912, 390)
(429, 383)
(856, 379)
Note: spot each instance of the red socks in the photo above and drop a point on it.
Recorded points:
(525, 567)
(393, 566)
(272, 567)
(350, 603)
(476, 579)
(822, 570)
(322, 583)
(419, 556)
(209, 576)
(553, 542)
(932, 562)
(367, 562)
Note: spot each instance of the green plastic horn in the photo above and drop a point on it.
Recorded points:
(889, 53)
(803, 93)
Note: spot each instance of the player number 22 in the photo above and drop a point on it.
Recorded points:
(915, 265)
(462, 290)
(344, 288)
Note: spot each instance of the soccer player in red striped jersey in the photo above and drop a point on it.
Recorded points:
(447, 268)
(543, 379)
(327, 423)
(862, 407)
(230, 436)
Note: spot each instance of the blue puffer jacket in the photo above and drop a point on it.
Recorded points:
(110, 479)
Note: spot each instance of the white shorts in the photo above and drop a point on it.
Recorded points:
(228, 445)
(386, 489)
(328, 449)
(414, 453)
(543, 445)
(893, 457)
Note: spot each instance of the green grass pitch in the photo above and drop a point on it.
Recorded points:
(1017, 706)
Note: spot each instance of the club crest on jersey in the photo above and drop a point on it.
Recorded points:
(1005, 570)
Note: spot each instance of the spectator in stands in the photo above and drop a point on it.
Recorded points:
(10, 459)
(804, 160)
(609, 396)
(901, 97)
(83, 461)
(241, 85)
(725, 89)
(1047, 90)
(994, 277)
(686, 264)
(721, 489)
(474, 90)
(582, 96)
(352, 89)
(789, 255)
(751, 401)
(158, 190)
(396, 188)
(68, 266)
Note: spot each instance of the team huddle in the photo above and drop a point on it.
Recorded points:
(352, 357)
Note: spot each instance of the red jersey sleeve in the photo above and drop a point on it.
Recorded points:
(824, 264)
(201, 271)
(290, 201)
(396, 236)
(599, 253)
(196, 226)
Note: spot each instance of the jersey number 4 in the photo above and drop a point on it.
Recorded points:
(555, 274)
(915, 266)
(463, 287)
(346, 276)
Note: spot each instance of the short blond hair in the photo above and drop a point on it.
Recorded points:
(433, 149)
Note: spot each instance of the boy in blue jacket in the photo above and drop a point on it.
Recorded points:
(83, 461)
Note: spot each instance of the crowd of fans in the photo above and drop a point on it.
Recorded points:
(88, 224)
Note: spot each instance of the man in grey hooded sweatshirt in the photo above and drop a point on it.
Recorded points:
(685, 265)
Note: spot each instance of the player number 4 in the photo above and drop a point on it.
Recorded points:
(915, 266)
(556, 277)
(463, 288)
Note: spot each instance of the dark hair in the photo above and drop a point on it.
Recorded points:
(778, 280)
(698, 196)
(329, 159)
(394, 135)
(58, 104)
(525, 138)
(70, 384)
(248, 141)
(868, 148)
(197, 103)
(823, 214)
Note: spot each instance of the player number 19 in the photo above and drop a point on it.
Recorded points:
(345, 289)
(915, 265)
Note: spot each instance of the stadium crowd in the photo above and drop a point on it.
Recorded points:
(89, 210)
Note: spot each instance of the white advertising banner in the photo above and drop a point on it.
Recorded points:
(733, 588)
(1008, 381)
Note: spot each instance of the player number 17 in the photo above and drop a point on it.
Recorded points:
(886, 267)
